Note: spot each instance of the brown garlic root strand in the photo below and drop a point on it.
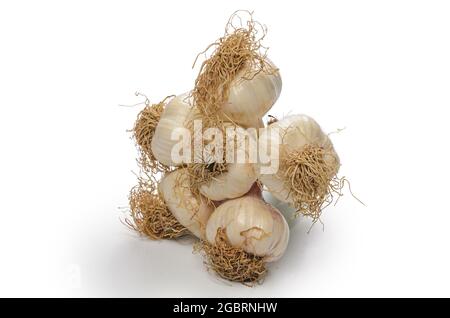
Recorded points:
(143, 132)
(232, 263)
(150, 215)
(202, 173)
(311, 174)
(239, 49)
(206, 168)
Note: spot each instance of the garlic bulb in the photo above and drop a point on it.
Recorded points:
(239, 177)
(250, 99)
(251, 224)
(191, 212)
(299, 133)
(234, 183)
(175, 115)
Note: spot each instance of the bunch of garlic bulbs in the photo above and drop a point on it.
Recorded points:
(217, 198)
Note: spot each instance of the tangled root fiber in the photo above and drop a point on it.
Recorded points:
(202, 173)
(239, 50)
(150, 215)
(209, 165)
(232, 263)
(143, 132)
(311, 176)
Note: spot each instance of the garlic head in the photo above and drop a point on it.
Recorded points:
(240, 174)
(176, 114)
(296, 133)
(250, 99)
(190, 211)
(251, 224)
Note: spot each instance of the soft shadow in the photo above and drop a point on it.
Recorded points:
(298, 236)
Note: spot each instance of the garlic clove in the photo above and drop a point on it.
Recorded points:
(296, 133)
(175, 115)
(275, 183)
(191, 212)
(251, 224)
(300, 130)
(254, 191)
(240, 174)
(250, 99)
(232, 184)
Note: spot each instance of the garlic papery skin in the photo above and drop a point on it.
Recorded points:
(251, 224)
(250, 99)
(232, 184)
(255, 191)
(240, 174)
(293, 133)
(190, 211)
(176, 113)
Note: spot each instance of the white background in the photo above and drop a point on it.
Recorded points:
(379, 68)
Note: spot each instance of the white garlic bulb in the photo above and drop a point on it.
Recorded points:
(240, 174)
(176, 113)
(234, 183)
(250, 99)
(191, 212)
(294, 133)
(251, 224)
